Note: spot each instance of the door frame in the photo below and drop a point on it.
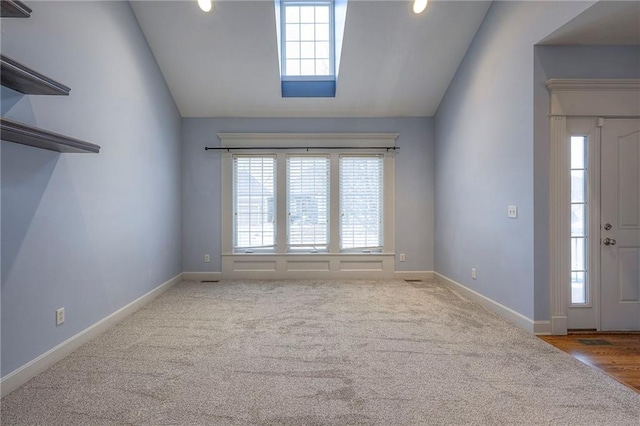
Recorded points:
(576, 98)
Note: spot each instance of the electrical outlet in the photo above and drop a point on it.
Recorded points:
(59, 316)
(474, 274)
(512, 212)
(207, 258)
(402, 258)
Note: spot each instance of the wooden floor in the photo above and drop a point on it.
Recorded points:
(619, 358)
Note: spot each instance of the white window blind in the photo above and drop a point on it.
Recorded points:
(308, 203)
(254, 202)
(361, 203)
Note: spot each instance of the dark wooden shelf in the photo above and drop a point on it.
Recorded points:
(14, 9)
(25, 80)
(12, 131)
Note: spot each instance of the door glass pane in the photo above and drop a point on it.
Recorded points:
(577, 152)
(577, 186)
(577, 254)
(578, 288)
(579, 238)
(577, 220)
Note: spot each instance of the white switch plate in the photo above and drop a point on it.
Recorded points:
(402, 257)
(474, 274)
(59, 316)
(207, 258)
(512, 211)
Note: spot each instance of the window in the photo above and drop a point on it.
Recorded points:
(308, 54)
(579, 289)
(253, 203)
(308, 210)
(307, 45)
(308, 203)
(361, 202)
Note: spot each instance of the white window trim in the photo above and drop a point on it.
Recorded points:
(578, 98)
(308, 265)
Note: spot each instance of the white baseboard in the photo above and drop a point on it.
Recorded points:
(542, 327)
(201, 276)
(559, 325)
(23, 374)
(498, 308)
(414, 275)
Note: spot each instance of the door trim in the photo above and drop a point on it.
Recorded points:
(575, 98)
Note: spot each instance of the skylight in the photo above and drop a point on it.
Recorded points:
(308, 47)
(309, 37)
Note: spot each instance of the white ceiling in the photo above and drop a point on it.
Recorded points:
(605, 23)
(225, 63)
(394, 63)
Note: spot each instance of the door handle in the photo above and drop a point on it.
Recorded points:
(609, 242)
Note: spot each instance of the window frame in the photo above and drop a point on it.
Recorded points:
(291, 248)
(234, 189)
(586, 232)
(283, 34)
(365, 249)
(319, 144)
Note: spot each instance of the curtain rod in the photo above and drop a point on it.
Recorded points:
(274, 148)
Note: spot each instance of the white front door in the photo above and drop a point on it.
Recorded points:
(620, 225)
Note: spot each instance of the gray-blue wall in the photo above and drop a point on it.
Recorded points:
(484, 155)
(564, 62)
(88, 232)
(414, 181)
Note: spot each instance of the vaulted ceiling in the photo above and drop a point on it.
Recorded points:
(394, 62)
(225, 63)
(613, 23)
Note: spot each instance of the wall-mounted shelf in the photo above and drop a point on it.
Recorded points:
(25, 80)
(14, 9)
(12, 131)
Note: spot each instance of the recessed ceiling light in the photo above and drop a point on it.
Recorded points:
(419, 6)
(205, 5)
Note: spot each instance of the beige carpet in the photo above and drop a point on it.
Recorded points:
(318, 353)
